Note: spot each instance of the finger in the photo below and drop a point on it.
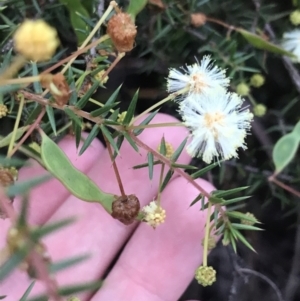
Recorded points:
(47, 197)
(96, 232)
(159, 264)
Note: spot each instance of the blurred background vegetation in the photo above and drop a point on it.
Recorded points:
(170, 35)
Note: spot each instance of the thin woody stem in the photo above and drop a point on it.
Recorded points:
(169, 163)
(115, 167)
(29, 131)
(284, 186)
(206, 237)
(160, 183)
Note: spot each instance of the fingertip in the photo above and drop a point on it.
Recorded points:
(45, 198)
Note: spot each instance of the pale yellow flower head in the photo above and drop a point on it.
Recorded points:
(154, 214)
(36, 40)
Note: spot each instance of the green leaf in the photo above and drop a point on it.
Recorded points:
(23, 187)
(4, 141)
(36, 84)
(135, 6)
(64, 264)
(77, 131)
(146, 165)
(184, 166)
(166, 180)
(296, 131)
(85, 98)
(40, 232)
(27, 292)
(225, 193)
(131, 109)
(58, 164)
(16, 162)
(103, 110)
(235, 200)
(179, 150)
(241, 238)
(34, 114)
(92, 135)
(284, 151)
(245, 227)
(131, 142)
(150, 164)
(162, 146)
(260, 43)
(76, 11)
(107, 134)
(204, 170)
(51, 118)
(70, 290)
(197, 199)
(146, 121)
(12, 263)
(73, 116)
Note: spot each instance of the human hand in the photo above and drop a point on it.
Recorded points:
(155, 264)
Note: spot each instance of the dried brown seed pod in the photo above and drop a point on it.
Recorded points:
(122, 31)
(198, 19)
(126, 208)
(7, 178)
(58, 87)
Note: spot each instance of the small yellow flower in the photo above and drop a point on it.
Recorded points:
(257, 80)
(295, 17)
(3, 110)
(259, 110)
(205, 276)
(121, 117)
(99, 78)
(249, 222)
(169, 149)
(154, 214)
(36, 40)
(242, 89)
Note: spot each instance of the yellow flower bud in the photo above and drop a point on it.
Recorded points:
(3, 110)
(205, 275)
(295, 17)
(169, 149)
(257, 80)
(242, 89)
(259, 110)
(36, 40)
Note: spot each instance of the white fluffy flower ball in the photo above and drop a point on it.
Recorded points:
(197, 78)
(291, 43)
(218, 124)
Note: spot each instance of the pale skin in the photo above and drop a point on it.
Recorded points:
(155, 265)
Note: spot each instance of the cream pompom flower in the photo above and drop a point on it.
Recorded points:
(197, 78)
(36, 40)
(154, 214)
(218, 124)
(291, 43)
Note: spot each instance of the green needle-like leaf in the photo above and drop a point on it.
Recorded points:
(27, 292)
(131, 109)
(150, 164)
(85, 98)
(92, 135)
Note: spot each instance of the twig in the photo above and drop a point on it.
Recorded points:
(265, 278)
